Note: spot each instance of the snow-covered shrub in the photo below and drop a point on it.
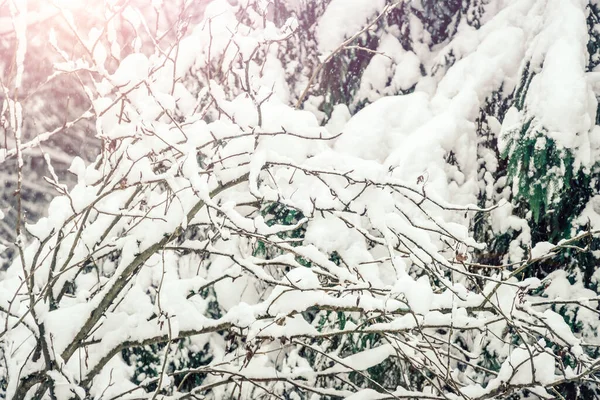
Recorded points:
(241, 237)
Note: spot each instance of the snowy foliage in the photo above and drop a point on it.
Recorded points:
(316, 199)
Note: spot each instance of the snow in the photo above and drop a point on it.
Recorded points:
(342, 19)
(382, 263)
(362, 360)
(329, 234)
(303, 278)
(517, 370)
(560, 329)
(418, 294)
(391, 60)
(132, 70)
(397, 116)
(64, 323)
(541, 249)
